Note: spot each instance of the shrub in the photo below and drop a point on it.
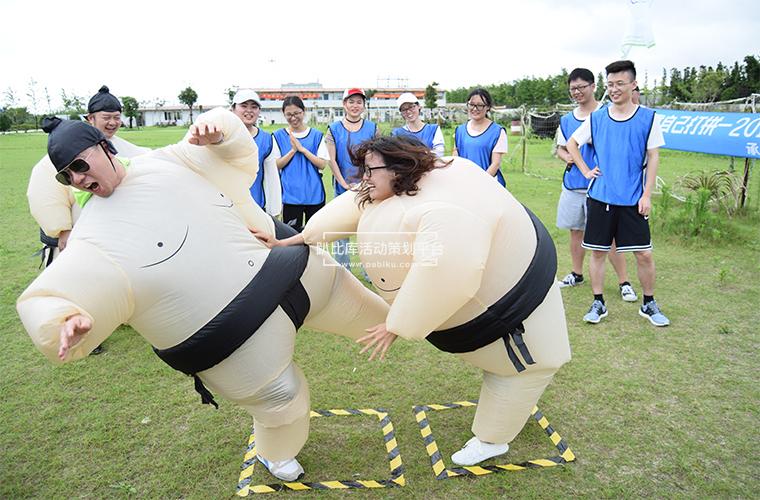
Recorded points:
(723, 188)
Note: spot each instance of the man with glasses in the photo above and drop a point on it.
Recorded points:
(626, 137)
(51, 203)
(571, 209)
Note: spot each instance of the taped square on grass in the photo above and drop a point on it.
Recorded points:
(244, 487)
(442, 472)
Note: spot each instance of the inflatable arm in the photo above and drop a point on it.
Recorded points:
(341, 215)
(450, 254)
(49, 201)
(82, 280)
(231, 165)
(236, 151)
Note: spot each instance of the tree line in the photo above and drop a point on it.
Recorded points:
(15, 117)
(690, 84)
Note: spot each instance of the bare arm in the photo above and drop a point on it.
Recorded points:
(493, 168)
(315, 160)
(334, 165)
(564, 155)
(271, 241)
(575, 154)
(653, 163)
(284, 160)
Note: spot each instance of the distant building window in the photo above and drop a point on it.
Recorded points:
(325, 96)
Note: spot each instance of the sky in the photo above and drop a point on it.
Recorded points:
(153, 49)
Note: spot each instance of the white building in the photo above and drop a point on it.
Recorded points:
(325, 105)
(174, 114)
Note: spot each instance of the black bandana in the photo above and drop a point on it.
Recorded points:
(103, 101)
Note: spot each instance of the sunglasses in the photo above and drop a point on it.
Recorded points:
(78, 165)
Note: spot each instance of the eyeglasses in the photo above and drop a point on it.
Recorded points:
(617, 85)
(476, 107)
(293, 115)
(368, 170)
(406, 109)
(78, 165)
(579, 88)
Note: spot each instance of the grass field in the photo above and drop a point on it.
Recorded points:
(648, 412)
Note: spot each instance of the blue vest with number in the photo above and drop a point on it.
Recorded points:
(343, 140)
(478, 148)
(620, 150)
(426, 134)
(263, 141)
(573, 177)
(301, 180)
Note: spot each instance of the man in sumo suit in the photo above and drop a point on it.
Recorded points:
(163, 244)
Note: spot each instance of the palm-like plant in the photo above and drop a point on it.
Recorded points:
(723, 186)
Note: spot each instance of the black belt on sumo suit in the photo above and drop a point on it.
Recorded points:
(276, 284)
(50, 244)
(503, 320)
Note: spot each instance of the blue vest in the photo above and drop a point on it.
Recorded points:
(573, 177)
(620, 149)
(301, 180)
(426, 134)
(264, 142)
(478, 148)
(343, 140)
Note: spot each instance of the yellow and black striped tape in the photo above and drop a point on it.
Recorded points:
(442, 472)
(244, 487)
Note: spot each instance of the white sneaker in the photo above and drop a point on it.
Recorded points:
(570, 280)
(286, 470)
(475, 451)
(628, 294)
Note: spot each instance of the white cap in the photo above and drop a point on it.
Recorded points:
(243, 95)
(406, 98)
(353, 91)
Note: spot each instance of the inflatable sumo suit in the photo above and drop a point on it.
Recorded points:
(170, 254)
(52, 204)
(466, 266)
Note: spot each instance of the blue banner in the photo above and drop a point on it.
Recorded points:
(730, 134)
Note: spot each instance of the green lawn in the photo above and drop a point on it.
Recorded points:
(648, 412)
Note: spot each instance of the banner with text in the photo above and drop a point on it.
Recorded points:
(730, 134)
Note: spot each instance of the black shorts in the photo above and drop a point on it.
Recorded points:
(623, 224)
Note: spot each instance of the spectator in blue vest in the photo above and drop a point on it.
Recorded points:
(266, 190)
(626, 139)
(480, 139)
(343, 134)
(300, 168)
(571, 209)
(427, 133)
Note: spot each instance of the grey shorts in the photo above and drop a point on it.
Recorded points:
(571, 210)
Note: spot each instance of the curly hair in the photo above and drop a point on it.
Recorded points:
(404, 155)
